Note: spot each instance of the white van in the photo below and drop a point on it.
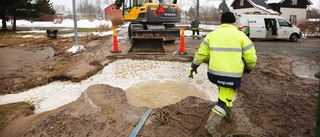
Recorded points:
(267, 27)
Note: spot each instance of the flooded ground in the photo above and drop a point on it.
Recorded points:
(148, 83)
(35, 55)
(271, 102)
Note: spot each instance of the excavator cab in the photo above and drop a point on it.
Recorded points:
(151, 24)
(129, 4)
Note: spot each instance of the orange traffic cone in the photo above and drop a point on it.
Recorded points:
(115, 41)
(181, 51)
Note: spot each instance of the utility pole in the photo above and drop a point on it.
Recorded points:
(75, 21)
(76, 48)
(198, 3)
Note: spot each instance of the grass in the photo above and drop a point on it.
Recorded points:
(60, 67)
(105, 38)
(79, 30)
(7, 37)
(7, 33)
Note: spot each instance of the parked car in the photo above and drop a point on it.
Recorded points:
(258, 26)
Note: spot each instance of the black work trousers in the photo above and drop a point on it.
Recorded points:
(195, 30)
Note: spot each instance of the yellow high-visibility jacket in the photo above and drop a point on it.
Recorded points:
(229, 51)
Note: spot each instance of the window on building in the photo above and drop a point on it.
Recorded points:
(241, 2)
(294, 2)
(293, 19)
(112, 9)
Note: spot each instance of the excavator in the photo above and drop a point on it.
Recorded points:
(151, 24)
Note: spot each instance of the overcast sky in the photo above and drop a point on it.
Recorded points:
(183, 3)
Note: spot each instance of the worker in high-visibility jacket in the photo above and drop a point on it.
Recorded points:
(195, 27)
(231, 54)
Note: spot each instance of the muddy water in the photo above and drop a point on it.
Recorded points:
(13, 63)
(161, 93)
(160, 83)
(305, 69)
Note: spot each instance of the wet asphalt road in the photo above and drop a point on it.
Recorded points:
(304, 48)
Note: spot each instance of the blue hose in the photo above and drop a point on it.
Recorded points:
(136, 130)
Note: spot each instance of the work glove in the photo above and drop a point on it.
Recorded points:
(247, 71)
(191, 72)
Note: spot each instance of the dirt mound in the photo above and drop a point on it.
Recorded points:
(281, 103)
(103, 110)
(100, 111)
(13, 111)
(186, 118)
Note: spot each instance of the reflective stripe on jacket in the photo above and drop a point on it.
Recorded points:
(229, 51)
(195, 28)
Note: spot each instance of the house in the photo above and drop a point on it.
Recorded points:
(111, 12)
(291, 10)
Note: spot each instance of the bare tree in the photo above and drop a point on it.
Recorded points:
(98, 7)
(196, 7)
(81, 7)
(60, 8)
(86, 9)
(205, 14)
(313, 13)
(209, 15)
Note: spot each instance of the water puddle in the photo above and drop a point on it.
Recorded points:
(147, 83)
(159, 93)
(30, 57)
(305, 69)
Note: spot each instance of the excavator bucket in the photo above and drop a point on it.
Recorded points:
(151, 41)
(147, 46)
